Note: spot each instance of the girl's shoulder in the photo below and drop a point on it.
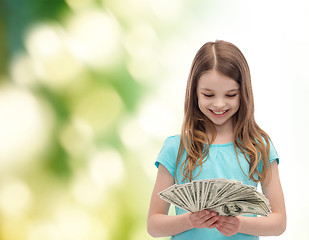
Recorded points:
(173, 140)
(174, 136)
(168, 153)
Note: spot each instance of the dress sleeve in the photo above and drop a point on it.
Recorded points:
(168, 154)
(273, 155)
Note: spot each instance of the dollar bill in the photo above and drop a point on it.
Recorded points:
(238, 208)
(226, 197)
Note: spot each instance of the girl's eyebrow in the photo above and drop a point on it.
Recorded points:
(236, 89)
(232, 90)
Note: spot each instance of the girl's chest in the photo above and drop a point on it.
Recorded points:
(224, 163)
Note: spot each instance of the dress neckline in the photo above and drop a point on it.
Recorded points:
(222, 145)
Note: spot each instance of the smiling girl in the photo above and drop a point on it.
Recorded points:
(219, 139)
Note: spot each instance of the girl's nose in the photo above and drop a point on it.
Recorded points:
(219, 104)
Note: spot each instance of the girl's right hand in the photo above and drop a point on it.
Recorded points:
(203, 219)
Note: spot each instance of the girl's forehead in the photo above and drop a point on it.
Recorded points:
(213, 81)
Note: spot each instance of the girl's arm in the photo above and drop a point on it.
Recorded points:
(275, 223)
(159, 224)
(272, 225)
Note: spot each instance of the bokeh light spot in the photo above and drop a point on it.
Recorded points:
(106, 168)
(42, 230)
(157, 119)
(96, 35)
(22, 70)
(85, 191)
(15, 198)
(133, 135)
(24, 127)
(76, 224)
(54, 62)
(167, 11)
(77, 137)
(99, 108)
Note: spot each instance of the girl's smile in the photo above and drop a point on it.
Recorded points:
(219, 113)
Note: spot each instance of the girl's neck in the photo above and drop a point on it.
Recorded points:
(222, 139)
(225, 133)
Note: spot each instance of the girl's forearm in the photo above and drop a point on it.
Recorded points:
(161, 225)
(273, 225)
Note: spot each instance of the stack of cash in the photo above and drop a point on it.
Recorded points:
(226, 197)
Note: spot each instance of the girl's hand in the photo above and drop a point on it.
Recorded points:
(228, 226)
(203, 219)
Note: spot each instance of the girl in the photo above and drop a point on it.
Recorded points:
(219, 139)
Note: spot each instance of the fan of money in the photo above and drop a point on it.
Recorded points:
(224, 196)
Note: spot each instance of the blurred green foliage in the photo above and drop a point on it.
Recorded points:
(17, 16)
(74, 178)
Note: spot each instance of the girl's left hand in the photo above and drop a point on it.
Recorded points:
(228, 226)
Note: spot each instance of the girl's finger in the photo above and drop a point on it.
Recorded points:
(198, 218)
(209, 223)
(228, 220)
(203, 219)
(228, 228)
(225, 226)
(198, 215)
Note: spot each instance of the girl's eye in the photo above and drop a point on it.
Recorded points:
(211, 95)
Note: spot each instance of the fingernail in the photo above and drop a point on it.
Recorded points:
(207, 212)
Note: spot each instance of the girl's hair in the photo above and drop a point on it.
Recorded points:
(249, 138)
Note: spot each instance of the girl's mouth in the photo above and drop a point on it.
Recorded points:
(219, 113)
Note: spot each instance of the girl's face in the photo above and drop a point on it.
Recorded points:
(218, 97)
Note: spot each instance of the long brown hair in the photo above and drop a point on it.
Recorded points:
(227, 59)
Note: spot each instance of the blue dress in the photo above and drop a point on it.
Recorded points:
(221, 163)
